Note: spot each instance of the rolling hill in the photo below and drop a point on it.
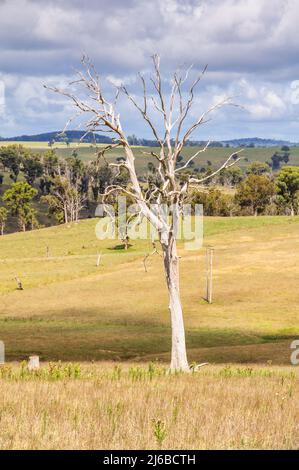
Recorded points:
(76, 135)
(72, 310)
(58, 136)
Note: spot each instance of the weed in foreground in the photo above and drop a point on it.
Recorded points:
(160, 432)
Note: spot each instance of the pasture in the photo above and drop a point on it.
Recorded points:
(215, 155)
(103, 336)
(72, 310)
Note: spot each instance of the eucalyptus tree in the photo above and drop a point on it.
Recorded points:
(178, 124)
(3, 219)
(19, 202)
(288, 188)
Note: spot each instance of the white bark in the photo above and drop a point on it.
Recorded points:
(169, 188)
(292, 210)
(178, 347)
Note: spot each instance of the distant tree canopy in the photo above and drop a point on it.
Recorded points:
(134, 140)
(18, 199)
(255, 192)
(288, 187)
(214, 202)
(230, 176)
(51, 164)
(258, 168)
(279, 158)
(31, 166)
(65, 200)
(3, 219)
(11, 158)
(71, 188)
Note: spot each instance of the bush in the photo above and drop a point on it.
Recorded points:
(215, 203)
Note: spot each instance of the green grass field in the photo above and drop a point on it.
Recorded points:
(72, 310)
(215, 155)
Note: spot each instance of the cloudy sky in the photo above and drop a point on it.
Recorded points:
(251, 48)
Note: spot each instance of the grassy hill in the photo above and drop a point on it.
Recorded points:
(87, 152)
(216, 155)
(72, 310)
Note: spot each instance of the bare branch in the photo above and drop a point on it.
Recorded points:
(117, 188)
(201, 120)
(155, 251)
(144, 114)
(227, 164)
(193, 156)
(184, 109)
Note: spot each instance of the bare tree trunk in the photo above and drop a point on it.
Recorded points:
(65, 214)
(178, 349)
(292, 210)
(126, 241)
(169, 188)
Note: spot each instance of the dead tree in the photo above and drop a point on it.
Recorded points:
(19, 283)
(209, 274)
(154, 252)
(169, 188)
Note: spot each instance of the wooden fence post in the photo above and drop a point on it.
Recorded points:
(209, 274)
(33, 363)
(99, 260)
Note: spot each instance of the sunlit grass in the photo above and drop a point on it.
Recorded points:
(73, 310)
(141, 406)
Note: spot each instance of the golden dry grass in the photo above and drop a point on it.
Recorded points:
(71, 310)
(105, 407)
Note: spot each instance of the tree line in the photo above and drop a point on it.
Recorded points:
(257, 191)
(68, 186)
(65, 185)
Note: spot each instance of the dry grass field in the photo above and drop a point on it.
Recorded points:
(83, 315)
(106, 406)
(71, 310)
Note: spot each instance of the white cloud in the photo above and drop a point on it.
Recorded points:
(251, 47)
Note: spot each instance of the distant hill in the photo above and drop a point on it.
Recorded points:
(57, 136)
(76, 136)
(258, 142)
